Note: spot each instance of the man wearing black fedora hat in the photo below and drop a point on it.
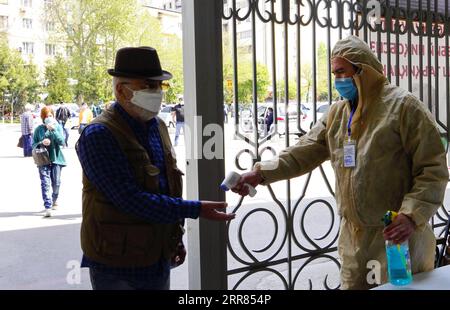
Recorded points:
(131, 233)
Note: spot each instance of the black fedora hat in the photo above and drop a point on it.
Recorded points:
(139, 63)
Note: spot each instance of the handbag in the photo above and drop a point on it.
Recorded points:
(20, 143)
(41, 156)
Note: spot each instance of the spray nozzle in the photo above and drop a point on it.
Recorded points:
(389, 217)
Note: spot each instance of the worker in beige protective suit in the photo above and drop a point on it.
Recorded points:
(386, 152)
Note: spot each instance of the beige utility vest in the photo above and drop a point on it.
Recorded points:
(113, 237)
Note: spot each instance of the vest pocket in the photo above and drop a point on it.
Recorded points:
(112, 239)
(121, 241)
(177, 182)
(140, 241)
(176, 236)
(151, 178)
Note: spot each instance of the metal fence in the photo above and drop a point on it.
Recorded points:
(411, 39)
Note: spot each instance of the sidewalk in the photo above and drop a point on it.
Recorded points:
(41, 253)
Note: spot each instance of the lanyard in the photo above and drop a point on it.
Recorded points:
(349, 125)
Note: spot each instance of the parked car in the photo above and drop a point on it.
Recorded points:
(322, 107)
(246, 118)
(166, 115)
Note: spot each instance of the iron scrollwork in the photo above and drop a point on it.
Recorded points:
(289, 229)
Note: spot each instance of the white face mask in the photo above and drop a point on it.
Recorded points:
(142, 114)
(147, 99)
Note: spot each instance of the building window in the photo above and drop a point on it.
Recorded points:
(50, 49)
(27, 23)
(47, 4)
(225, 27)
(70, 30)
(49, 26)
(3, 1)
(3, 22)
(245, 35)
(69, 51)
(242, 4)
(27, 3)
(28, 47)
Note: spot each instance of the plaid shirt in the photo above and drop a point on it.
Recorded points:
(105, 165)
(26, 123)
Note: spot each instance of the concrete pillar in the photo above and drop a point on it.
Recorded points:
(203, 96)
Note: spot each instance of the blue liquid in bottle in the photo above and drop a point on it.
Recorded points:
(399, 263)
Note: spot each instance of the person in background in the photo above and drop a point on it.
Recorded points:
(62, 116)
(231, 106)
(133, 210)
(178, 119)
(268, 121)
(50, 134)
(96, 110)
(26, 126)
(225, 113)
(85, 116)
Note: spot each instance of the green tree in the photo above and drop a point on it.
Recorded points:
(94, 29)
(322, 75)
(227, 67)
(306, 78)
(245, 76)
(57, 81)
(18, 79)
(245, 82)
(148, 32)
(281, 90)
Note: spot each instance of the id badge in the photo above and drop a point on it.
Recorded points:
(350, 154)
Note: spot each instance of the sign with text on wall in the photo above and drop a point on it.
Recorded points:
(415, 50)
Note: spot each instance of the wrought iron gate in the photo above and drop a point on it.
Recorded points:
(410, 37)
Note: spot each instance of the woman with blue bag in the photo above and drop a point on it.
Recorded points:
(50, 135)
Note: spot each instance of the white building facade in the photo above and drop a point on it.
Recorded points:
(28, 31)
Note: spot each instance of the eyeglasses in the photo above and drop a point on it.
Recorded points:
(164, 86)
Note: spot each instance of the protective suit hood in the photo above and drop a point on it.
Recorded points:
(356, 51)
(369, 80)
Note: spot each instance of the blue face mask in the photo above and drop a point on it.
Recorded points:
(346, 88)
(48, 120)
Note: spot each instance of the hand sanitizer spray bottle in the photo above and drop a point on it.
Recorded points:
(398, 261)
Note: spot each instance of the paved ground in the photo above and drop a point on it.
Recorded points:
(44, 253)
(37, 252)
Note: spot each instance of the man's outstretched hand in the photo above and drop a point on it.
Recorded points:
(213, 210)
(179, 256)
